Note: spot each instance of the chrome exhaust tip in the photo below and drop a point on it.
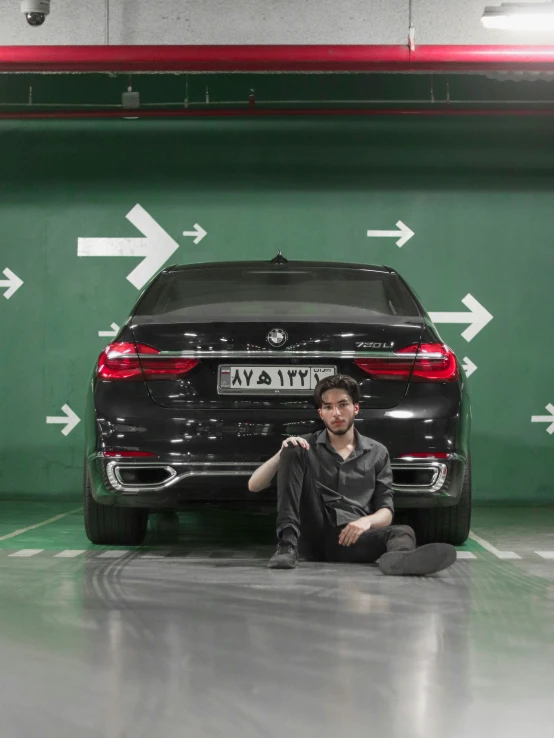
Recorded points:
(128, 477)
(423, 477)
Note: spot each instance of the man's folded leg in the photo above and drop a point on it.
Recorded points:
(300, 513)
(403, 558)
(369, 547)
(394, 547)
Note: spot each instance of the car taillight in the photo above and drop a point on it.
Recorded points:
(387, 368)
(122, 361)
(434, 362)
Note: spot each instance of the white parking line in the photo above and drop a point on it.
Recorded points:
(489, 547)
(26, 552)
(69, 554)
(204, 556)
(115, 554)
(38, 525)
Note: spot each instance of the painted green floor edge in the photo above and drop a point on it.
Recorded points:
(198, 529)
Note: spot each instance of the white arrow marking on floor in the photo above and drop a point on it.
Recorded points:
(465, 555)
(469, 366)
(112, 333)
(546, 418)
(489, 547)
(198, 232)
(13, 283)
(478, 317)
(156, 247)
(70, 420)
(404, 232)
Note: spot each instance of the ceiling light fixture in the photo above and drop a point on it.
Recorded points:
(520, 16)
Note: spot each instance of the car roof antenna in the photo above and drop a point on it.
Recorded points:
(279, 259)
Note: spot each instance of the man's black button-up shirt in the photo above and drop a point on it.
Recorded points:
(353, 487)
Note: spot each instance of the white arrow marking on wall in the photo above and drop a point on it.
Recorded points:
(546, 418)
(70, 420)
(404, 232)
(156, 247)
(13, 283)
(478, 317)
(198, 232)
(469, 366)
(112, 333)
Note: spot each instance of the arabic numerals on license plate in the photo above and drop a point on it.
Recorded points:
(284, 377)
(252, 378)
(319, 373)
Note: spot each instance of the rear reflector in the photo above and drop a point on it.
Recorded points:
(121, 361)
(433, 362)
(127, 454)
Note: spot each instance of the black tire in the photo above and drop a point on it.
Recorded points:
(109, 525)
(445, 524)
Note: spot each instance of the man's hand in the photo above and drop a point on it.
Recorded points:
(295, 441)
(353, 531)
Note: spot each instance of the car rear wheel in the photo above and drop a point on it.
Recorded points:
(108, 525)
(445, 524)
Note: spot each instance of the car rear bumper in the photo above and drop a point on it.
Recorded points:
(208, 455)
(169, 483)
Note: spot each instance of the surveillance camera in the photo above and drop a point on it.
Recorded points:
(35, 11)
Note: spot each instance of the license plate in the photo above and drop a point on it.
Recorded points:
(274, 380)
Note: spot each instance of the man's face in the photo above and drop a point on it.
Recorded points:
(338, 411)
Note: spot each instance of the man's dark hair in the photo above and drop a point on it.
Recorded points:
(337, 381)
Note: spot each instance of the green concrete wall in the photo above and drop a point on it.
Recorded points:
(478, 193)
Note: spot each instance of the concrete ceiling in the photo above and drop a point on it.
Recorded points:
(257, 22)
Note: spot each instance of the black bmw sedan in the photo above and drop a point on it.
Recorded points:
(217, 364)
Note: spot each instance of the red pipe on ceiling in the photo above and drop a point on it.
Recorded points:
(275, 58)
(272, 112)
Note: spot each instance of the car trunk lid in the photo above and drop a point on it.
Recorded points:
(273, 363)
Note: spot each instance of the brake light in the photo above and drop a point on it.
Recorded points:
(121, 361)
(386, 368)
(127, 454)
(433, 362)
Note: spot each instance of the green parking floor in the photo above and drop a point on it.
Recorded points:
(100, 641)
(60, 526)
(505, 533)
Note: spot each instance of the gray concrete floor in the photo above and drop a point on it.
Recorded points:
(193, 636)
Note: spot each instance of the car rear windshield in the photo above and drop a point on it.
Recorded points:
(297, 294)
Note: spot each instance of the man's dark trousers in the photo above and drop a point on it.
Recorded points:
(301, 512)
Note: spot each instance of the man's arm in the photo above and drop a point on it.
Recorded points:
(381, 501)
(379, 519)
(264, 474)
(261, 479)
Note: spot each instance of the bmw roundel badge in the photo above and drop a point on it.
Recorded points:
(277, 337)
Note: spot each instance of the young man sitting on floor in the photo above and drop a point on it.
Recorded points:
(335, 497)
